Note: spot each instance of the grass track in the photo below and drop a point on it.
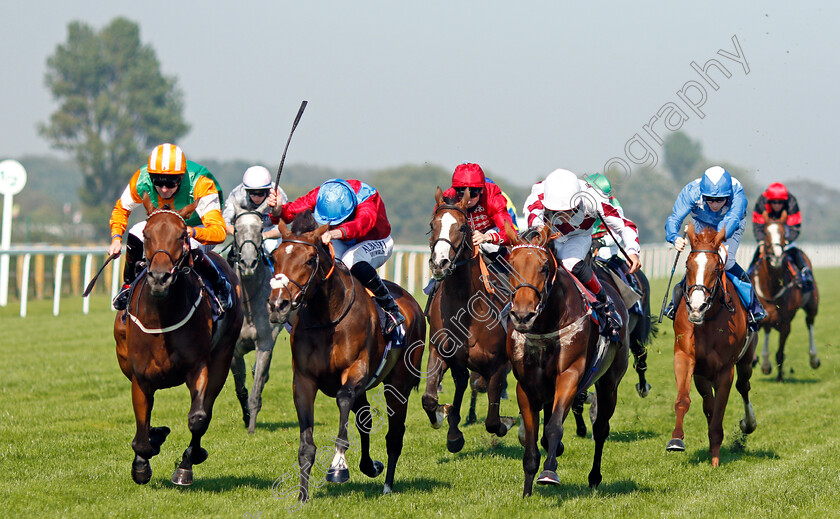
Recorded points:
(66, 425)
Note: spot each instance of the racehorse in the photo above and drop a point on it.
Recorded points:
(776, 286)
(464, 317)
(556, 352)
(338, 348)
(170, 339)
(642, 328)
(258, 332)
(711, 341)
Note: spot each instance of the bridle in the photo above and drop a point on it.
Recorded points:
(710, 293)
(178, 266)
(464, 230)
(237, 248)
(542, 295)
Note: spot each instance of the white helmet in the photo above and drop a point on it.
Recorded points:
(256, 177)
(561, 190)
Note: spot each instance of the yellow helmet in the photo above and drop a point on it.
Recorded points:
(167, 159)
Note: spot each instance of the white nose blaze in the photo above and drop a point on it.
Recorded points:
(442, 248)
(697, 297)
(775, 239)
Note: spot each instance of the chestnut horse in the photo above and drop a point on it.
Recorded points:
(556, 352)
(776, 286)
(170, 339)
(338, 348)
(465, 332)
(258, 333)
(711, 341)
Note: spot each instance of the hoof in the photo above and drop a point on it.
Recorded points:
(715, 461)
(338, 475)
(766, 368)
(386, 489)
(643, 391)
(246, 417)
(594, 479)
(745, 427)
(755, 361)
(471, 419)
(182, 477)
(376, 469)
(675, 445)
(548, 477)
(440, 415)
(580, 427)
(141, 471)
(507, 424)
(455, 445)
(815, 362)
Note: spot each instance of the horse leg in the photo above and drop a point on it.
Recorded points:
(547, 412)
(784, 331)
(744, 369)
(766, 368)
(304, 390)
(366, 424)
(577, 412)
(530, 422)
(606, 391)
(640, 361)
(455, 438)
(495, 424)
(198, 420)
(142, 401)
(435, 368)
(564, 393)
(262, 363)
(723, 384)
(471, 416)
(707, 393)
(345, 399)
(810, 314)
(683, 370)
(397, 400)
(237, 369)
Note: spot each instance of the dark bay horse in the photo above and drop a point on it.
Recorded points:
(776, 286)
(465, 332)
(338, 348)
(258, 332)
(711, 341)
(170, 339)
(556, 352)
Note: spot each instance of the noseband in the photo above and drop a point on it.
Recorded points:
(464, 230)
(542, 295)
(709, 293)
(237, 247)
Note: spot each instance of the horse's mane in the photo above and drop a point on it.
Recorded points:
(304, 222)
(450, 200)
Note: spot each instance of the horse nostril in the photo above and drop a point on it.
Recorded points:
(444, 263)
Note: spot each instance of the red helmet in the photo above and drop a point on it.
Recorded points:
(468, 175)
(776, 191)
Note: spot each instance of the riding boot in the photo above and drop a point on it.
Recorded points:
(218, 282)
(671, 309)
(754, 261)
(805, 278)
(365, 273)
(755, 311)
(604, 306)
(133, 255)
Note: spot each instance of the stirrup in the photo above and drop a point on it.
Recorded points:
(394, 319)
(671, 311)
(120, 301)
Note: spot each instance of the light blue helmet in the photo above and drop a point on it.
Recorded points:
(335, 203)
(716, 183)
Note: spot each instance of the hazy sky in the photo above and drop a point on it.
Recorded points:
(519, 87)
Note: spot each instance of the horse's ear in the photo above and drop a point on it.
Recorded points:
(320, 231)
(721, 235)
(438, 196)
(284, 231)
(689, 231)
(464, 201)
(542, 237)
(187, 211)
(511, 234)
(147, 203)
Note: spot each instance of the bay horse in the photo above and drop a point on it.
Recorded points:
(776, 286)
(170, 339)
(258, 332)
(556, 353)
(464, 318)
(338, 348)
(711, 341)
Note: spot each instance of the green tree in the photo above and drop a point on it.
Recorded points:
(682, 157)
(114, 105)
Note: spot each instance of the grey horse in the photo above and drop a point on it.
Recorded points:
(258, 333)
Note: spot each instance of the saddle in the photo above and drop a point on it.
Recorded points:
(624, 282)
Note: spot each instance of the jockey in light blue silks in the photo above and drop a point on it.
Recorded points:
(715, 201)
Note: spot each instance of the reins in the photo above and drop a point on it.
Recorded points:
(464, 230)
(720, 282)
(543, 294)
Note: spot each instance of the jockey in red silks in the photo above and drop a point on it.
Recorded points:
(359, 231)
(572, 206)
(775, 200)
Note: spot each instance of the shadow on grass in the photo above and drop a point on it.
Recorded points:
(370, 488)
(628, 436)
(278, 426)
(570, 490)
(494, 449)
(732, 453)
(788, 380)
(217, 484)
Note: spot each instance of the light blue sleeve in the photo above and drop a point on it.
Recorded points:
(685, 201)
(733, 217)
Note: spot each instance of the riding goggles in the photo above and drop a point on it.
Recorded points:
(167, 181)
(474, 191)
(258, 192)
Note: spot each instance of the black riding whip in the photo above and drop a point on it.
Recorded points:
(283, 158)
(670, 279)
(93, 281)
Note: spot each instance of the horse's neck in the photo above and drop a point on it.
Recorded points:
(558, 311)
(255, 285)
(772, 279)
(181, 297)
(332, 296)
(464, 280)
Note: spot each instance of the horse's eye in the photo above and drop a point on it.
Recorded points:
(311, 261)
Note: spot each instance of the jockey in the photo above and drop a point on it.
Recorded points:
(715, 201)
(359, 230)
(169, 178)
(571, 206)
(252, 195)
(774, 200)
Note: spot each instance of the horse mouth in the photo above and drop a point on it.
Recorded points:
(438, 274)
(523, 324)
(280, 311)
(696, 318)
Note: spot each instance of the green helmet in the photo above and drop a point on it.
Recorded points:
(600, 181)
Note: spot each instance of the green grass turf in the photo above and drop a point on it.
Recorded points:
(66, 425)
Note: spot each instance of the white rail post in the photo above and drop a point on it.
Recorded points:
(24, 284)
(427, 274)
(88, 275)
(398, 261)
(59, 268)
(116, 280)
(412, 272)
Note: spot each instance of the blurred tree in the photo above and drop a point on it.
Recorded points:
(683, 156)
(115, 105)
